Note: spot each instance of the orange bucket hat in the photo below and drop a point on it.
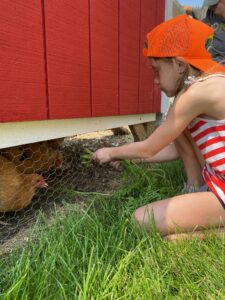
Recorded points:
(183, 37)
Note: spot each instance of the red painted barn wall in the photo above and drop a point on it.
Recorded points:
(129, 56)
(104, 53)
(22, 71)
(119, 81)
(147, 90)
(68, 59)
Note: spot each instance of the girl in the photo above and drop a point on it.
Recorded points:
(176, 51)
(211, 13)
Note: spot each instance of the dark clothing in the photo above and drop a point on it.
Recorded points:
(216, 44)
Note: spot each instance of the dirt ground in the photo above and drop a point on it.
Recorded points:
(72, 176)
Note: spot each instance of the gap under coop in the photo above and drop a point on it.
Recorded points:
(43, 177)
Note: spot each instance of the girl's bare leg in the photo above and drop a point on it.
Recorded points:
(201, 235)
(191, 158)
(185, 213)
(185, 149)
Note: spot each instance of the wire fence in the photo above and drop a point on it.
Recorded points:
(45, 175)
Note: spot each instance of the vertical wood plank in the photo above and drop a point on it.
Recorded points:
(68, 60)
(149, 95)
(22, 72)
(160, 17)
(129, 53)
(146, 89)
(104, 57)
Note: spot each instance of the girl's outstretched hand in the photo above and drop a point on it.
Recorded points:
(103, 155)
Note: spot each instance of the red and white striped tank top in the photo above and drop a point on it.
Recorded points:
(209, 135)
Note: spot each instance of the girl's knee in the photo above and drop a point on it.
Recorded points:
(152, 217)
(143, 216)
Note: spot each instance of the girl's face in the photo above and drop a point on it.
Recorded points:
(219, 9)
(168, 75)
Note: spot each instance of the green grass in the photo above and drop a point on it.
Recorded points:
(97, 253)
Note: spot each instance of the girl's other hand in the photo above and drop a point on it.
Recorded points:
(103, 155)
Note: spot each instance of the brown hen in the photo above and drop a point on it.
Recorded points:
(36, 157)
(16, 189)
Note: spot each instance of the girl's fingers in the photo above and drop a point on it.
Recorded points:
(102, 156)
(94, 157)
(115, 164)
(97, 159)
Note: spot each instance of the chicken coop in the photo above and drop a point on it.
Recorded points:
(68, 67)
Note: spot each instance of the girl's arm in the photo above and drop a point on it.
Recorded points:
(187, 107)
(166, 154)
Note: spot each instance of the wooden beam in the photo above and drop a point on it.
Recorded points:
(141, 131)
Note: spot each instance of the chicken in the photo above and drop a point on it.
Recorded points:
(16, 189)
(36, 157)
(40, 157)
(13, 153)
(54, 144)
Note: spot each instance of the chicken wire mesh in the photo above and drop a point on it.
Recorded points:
(45, 175)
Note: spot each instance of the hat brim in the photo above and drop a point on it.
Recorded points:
(206, 65)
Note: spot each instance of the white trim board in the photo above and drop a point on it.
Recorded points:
(19, 133)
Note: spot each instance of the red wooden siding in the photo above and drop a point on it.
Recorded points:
(69, 59)
(22, 75)
(121, 83)
(129, 51)
(104, 16)
(160, 15)
(147, 90)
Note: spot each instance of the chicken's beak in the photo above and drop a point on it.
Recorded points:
(45, 185)
(41, 183)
